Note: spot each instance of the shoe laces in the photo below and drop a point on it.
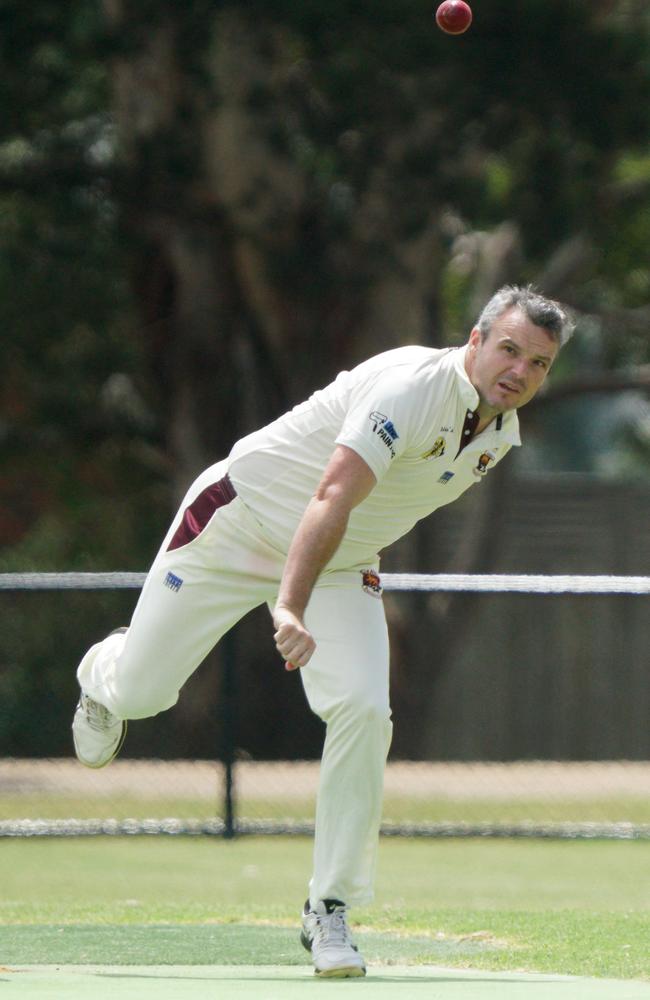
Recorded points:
(333, 928)
(98, 716)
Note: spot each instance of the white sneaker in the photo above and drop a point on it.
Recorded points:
(98, 734)
(326, 935)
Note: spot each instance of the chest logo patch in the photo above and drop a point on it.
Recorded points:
(438, 449)
(481, 466)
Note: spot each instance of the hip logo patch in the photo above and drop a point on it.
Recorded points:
(371, 582)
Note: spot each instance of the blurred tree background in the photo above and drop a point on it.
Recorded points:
(210, 208)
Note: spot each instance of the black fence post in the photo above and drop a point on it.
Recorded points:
(228, 730)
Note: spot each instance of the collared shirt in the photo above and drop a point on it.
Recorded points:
(404, 412)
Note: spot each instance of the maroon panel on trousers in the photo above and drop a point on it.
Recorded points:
(199, 512)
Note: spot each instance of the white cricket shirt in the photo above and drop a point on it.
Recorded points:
(403, 412)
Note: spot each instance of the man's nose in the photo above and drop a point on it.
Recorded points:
(519, 368)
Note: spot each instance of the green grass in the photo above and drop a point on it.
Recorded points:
(566, 907)
(559, 810)
(633, 809)
(27, 806)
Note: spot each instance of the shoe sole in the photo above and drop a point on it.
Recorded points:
(345, 972)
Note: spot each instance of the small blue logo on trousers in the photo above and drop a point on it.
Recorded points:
(173, 582)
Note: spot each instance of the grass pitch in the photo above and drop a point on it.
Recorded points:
(572, 908)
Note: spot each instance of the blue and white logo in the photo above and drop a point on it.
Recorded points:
(445, 477)
(384, 429)
(173, 582)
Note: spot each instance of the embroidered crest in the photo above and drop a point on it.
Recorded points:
(481, 466)
(438, 449)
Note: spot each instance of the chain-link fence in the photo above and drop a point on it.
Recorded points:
(537, 798)
(200, 768)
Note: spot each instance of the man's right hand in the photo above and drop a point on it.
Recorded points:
(347, 480)
(292, 640)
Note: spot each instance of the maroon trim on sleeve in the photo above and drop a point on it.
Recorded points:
(199, 512)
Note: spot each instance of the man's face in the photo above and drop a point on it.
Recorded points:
(510, 365)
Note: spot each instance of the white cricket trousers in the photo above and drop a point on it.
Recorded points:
(215, 573)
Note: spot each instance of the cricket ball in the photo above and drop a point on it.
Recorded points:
(454, 16)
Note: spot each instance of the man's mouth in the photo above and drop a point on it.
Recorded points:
(509, 386)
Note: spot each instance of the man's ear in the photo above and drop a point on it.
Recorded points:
(475, 337)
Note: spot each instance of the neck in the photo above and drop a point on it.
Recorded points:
(485, 417)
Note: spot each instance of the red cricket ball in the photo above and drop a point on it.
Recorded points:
(454, 16)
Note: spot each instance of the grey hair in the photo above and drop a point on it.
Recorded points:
(547, 313)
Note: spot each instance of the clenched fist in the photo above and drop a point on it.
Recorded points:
(292, 640)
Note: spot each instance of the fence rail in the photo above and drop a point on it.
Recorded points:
(457, 582)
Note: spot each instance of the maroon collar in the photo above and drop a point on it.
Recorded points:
(469, 429)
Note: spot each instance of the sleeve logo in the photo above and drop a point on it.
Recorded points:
(384, 429)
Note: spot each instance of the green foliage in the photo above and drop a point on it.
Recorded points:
(69, 441)
(551, 90)
(536, 118)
